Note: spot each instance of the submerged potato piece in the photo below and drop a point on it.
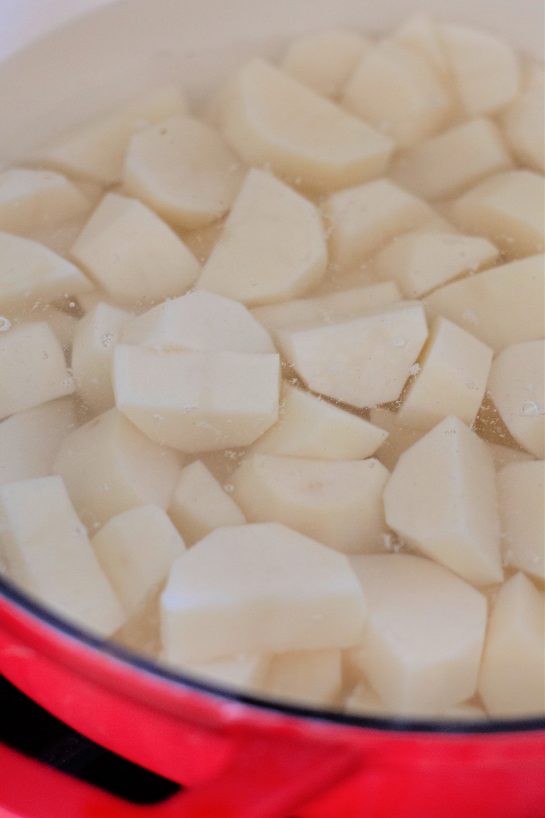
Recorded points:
(33, 200)
(136, 550)
(239, 590)
(363, 701)
(523, 122)
(422, 34)
(32, 368)
(109, 466)
(424, 636)
(505, 455)
(197, 401)
(420, 262)
(324, 60)
(508, 209)
(48, 553)
(311, 427)
(200, 504)
(182, 168)
(399, 437)
(272, 246)
(305, 676)
(447, 164)
(517, 387)
(396, 90)
(337, 502)
(514, 291)
(361, 361)
(271, 119)
(132, 254)
(441, 499)
(521, 497)
(245, 672)
(451, 380)
(512, 679)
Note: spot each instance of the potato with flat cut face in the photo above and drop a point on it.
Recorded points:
(305, 677)
(521, 496)
(34, 200)
(325, 60)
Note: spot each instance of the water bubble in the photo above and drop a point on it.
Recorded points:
(414, 369)
(400, 342)
(107, 339)
(229, 488)
(5, 323)
(531, 409)
(471, 384)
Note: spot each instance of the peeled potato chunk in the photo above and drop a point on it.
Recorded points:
(505, 455)
(239, 590)
(521, 496)
(425, 632)
(199, 321)
(325, 60)
(485, 70)
(396, 90)
(512, 679)
(132, 254)
(522, 122)
(35, 199)
(441, 499)
(508, 209)
(197, 401)
(420, 262)
(337, 502)
(109, 466)
(447, 164)
(199, 504)
(311, 427)
(451, 379)
(422, 34)
(361, 361)
(310, 676)
(517, 387)
(182, 169)
(399, 437)
(514, 291)
(244, 672)
(272, 246)
(47, 551)
(271, 119)
(136, 550)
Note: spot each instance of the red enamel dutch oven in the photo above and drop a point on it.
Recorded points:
(237, 756)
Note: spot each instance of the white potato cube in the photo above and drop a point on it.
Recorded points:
(337, 502)
(425, 632)
(199, 504)
(245, 672)
(441, 499)
(182, 169)
(240, 591)
(512, 682)
(451, 379)
(324, 60)
(399, 437)
(109, 466)
(33, 200)
(305, 676)
(517, 387)
(272, 119)
(272, 246)
(422, 34)
(48, 553)
(523, 124)
(197, 401)
(362, 361)
(132, 254)
(505, 455)
(521, 496)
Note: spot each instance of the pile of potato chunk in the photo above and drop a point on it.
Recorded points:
(272, 393)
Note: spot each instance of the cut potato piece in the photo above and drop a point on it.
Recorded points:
(523, 124)
(199, 504)
(451, 379)
(337, 502)
(272, 246)
(521, 495)
(517, 387)
(399, 437)
(363, 218)
(508, 209)
(514, 291)
(197, 401)
(512, 679)
(362, 361)
(485, 70)
(32, 368)
(363, 701)
(92, 353)
(109, 466)
(243, 672)
(447, 164)
(396, 90)
(311, 427)
(325, 60)
(422, 34)
(48, 553)
(136, 550)
(420, 262)
(182, 169)
(132, 254)
(30, 440)
(271, 119)
(505, 455)
(305, 676)
(199, 321)
(33, 200)
(239, 591)
(441, 499)
(424, 636)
